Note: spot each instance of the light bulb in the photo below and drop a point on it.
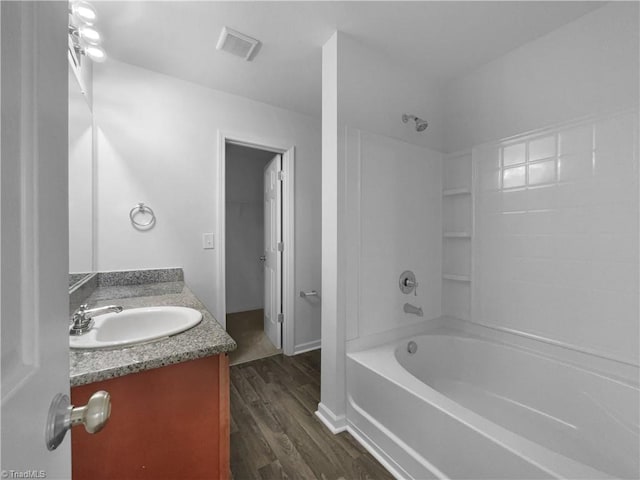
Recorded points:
(95, 53)
(84, 12)
(90, 35)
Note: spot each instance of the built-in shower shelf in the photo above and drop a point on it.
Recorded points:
(456, 191)
(456, 235)
(457, 278)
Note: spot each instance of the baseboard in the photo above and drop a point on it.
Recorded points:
(335, 423)
(306, 347)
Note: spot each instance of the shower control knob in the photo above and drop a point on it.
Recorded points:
(412, 285)
(407, 282)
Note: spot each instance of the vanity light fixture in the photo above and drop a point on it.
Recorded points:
(84, 38)
(95, 53)
(84, 12)
(89, 35)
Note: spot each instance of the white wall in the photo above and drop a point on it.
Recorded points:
(374, 92)
(589, 66)
(245, 227)
(157, 143)
(557, 256)
(332, 407)
(81, 225)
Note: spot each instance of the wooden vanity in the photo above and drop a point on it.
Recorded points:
(167, 423)
(169, 397)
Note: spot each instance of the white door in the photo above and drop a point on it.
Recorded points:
(273, 254)
(34, 253)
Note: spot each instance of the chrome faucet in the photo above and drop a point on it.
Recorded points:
(82, 319)
(408, 308)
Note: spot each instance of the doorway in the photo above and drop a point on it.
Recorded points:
(253, 255)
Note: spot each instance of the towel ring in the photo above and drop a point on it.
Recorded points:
(142, 208)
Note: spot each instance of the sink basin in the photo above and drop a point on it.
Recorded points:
(136, 325)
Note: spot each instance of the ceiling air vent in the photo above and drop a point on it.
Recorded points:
(237, 44)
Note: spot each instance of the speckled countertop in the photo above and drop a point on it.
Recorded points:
(205, 339)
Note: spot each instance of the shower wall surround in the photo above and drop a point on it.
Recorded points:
(538, 232)
(457, 234)
(394, 223)
(556, 236)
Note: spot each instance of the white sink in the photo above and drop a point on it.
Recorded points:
(136, 325)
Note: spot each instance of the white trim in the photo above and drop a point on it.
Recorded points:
(1, 203)
(306, 347)
(458, 153)
(287, 150)
(220, 313)
(376, 452)
(335, 424)
(288, 255)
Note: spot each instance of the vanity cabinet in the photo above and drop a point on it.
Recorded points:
(170, 422)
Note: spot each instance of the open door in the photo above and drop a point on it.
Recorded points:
(273, 251)
(34, 249)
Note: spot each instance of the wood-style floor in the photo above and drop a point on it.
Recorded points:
(275, 433)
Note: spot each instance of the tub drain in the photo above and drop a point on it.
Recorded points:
(412, 347)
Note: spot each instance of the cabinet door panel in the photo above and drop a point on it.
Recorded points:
(170, 422)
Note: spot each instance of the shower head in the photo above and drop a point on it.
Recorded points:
(421, 124)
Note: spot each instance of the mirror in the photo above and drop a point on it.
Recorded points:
(81, 218)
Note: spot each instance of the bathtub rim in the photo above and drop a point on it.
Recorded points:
(446, 332)
(536, 454)
(621, 372)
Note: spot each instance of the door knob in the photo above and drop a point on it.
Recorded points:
(62, 416)
(263, 258)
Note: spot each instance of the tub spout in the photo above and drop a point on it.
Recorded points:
(408, 308)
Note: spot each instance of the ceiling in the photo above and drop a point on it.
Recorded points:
(438, 40)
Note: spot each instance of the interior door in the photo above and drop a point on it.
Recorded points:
(34, 300)
(272, 252)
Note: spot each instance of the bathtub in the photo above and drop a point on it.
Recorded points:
(467, 407)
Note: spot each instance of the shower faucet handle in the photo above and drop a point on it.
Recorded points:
(407, 282)
(413, 285)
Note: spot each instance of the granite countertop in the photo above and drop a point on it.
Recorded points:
(205, 339)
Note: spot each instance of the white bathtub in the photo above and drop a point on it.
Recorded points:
(465, 407)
